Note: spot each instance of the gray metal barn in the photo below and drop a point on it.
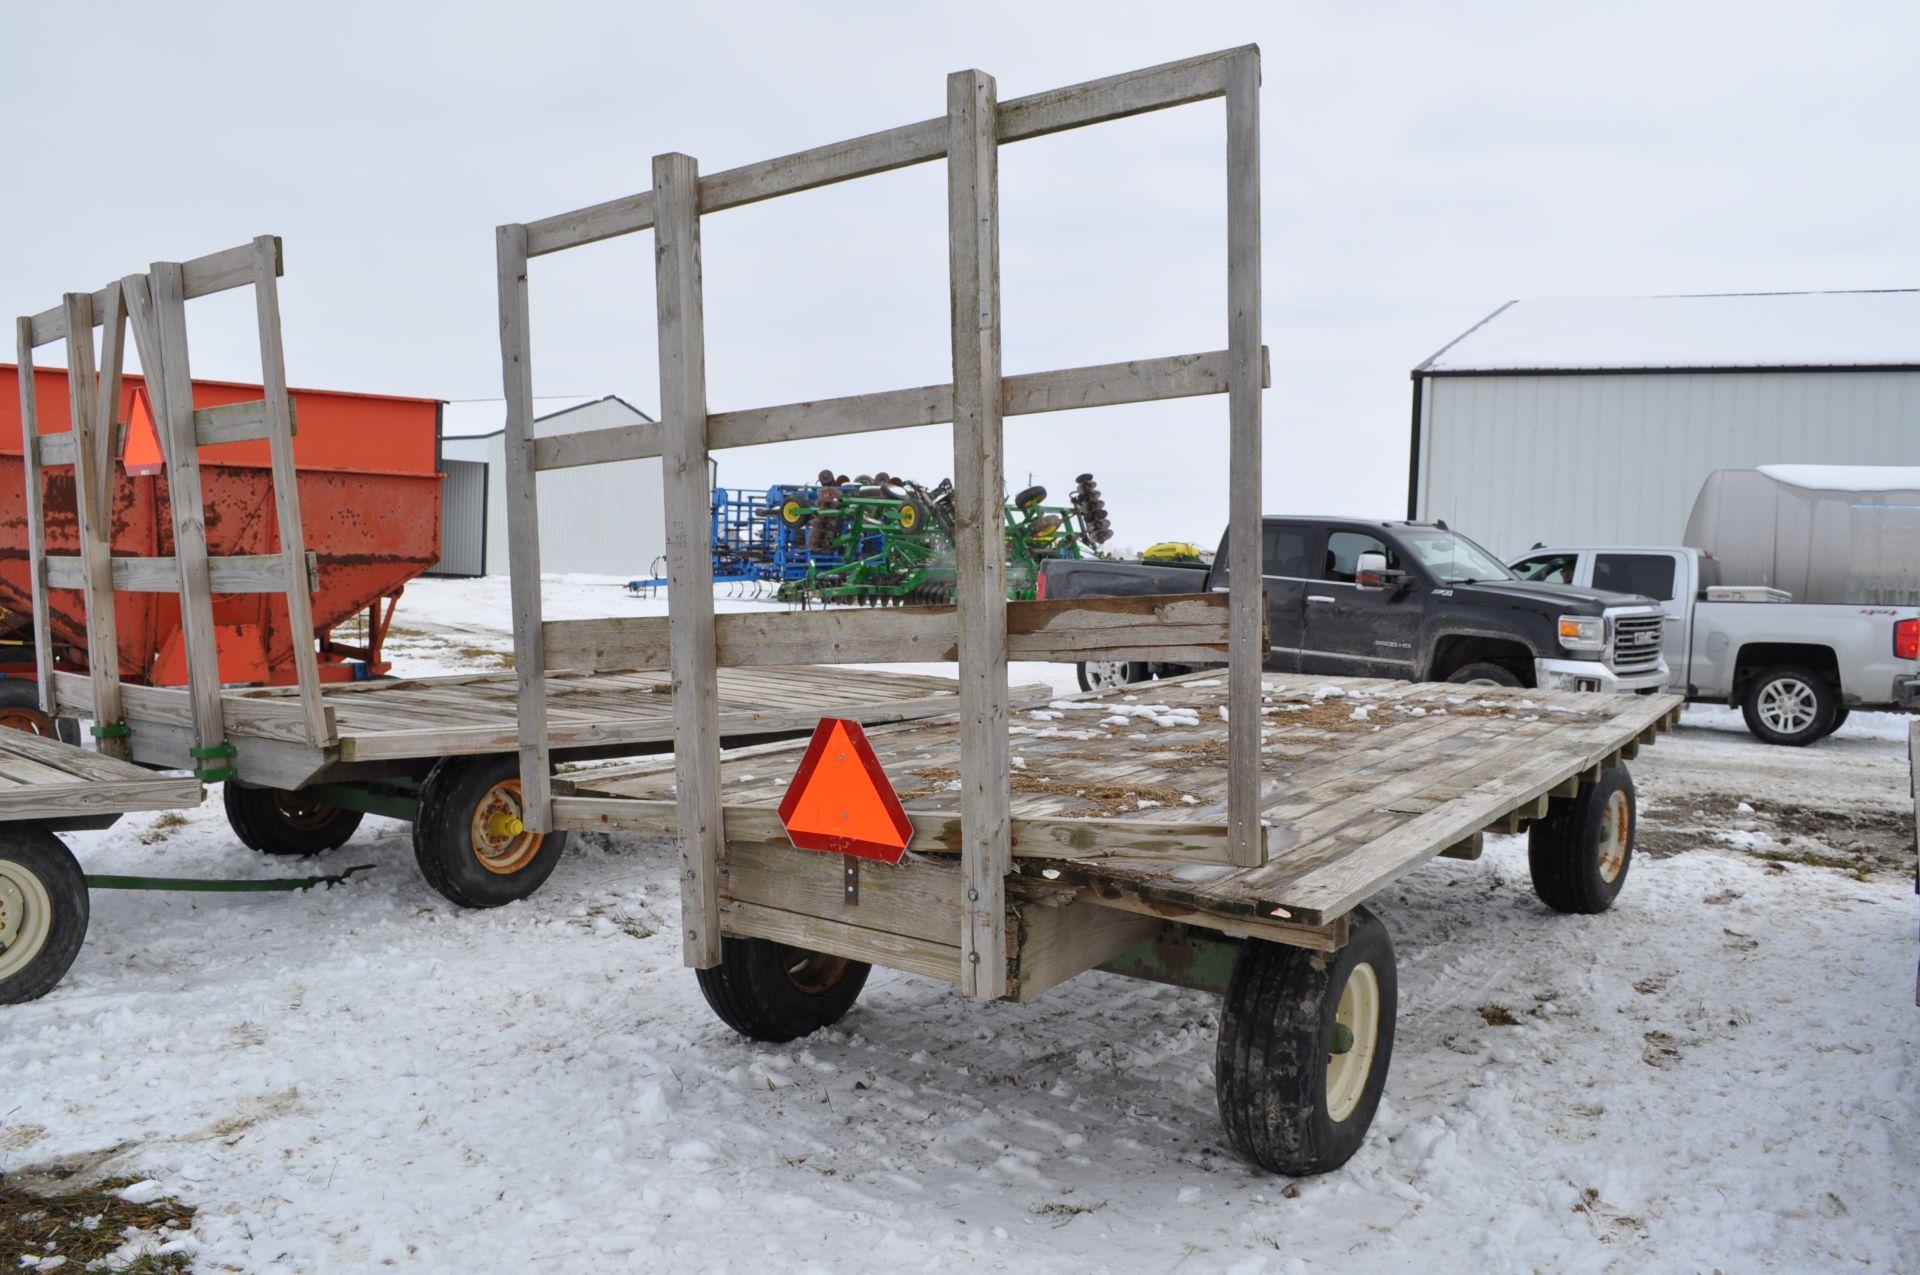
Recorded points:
(1594, 420)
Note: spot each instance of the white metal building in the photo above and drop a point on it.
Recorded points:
(1594, 420)
(594, 520)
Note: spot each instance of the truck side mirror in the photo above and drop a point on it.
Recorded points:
(1370, 572)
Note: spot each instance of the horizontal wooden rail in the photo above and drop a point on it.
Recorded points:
(1099, 385)
(202, 277)
(1096, 101)
(235, 422)
(239, 573)
(277, 719)
(57, 449)
(1164, 840)
(1175, 629)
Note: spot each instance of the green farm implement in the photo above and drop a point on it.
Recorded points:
(889, 541)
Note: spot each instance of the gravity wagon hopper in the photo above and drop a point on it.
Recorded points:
(304, 761)
(1224, 837)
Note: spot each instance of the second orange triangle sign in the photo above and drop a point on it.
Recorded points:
(840, 800)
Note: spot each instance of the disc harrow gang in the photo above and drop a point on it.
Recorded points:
(882, 540)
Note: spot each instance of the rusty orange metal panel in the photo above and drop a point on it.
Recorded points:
(369, 502)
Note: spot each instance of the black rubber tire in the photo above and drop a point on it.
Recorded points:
(1824, 705)
(1029, 497)
(1564, 849)
(1498, 674)
(1276, 1043)
(1840, 715)
(273, 821)
(1135, 671)
(20, 700)
(754, 991)
(35, 851)
(443, 843)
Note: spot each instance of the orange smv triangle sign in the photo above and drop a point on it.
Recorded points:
(840, 799)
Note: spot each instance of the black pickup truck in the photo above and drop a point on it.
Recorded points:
(1410, 600)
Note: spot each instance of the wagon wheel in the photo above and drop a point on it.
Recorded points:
(20, 710)
(1305, 1042)
(43, 912)
(470, 837)
(1579, 854)
(274, 821)
(776, 993)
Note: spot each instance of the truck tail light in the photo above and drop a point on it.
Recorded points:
(1040, 586)
(1906, 640)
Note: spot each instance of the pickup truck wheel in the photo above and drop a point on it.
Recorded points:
(1579, 854)
(1111, 675)
(1483, 674)
(1305, 1040)
(1840, 714)
(1789, 704)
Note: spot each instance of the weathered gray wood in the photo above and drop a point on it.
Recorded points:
(1248, 648)
(94, 524)
(36, 513)
(523, 528)
(201, 277)
(237, 573)
(281, 719)
(294, 581)
(234, 422)
(1114, 97)
(1184, 628)
(980, 565)
(1051, 840)
(688, 497)
(1101, 385)
(106, 436)
(838, 938)
(1055, 943)
(171, 392)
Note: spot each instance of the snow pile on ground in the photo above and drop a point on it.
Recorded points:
(1720, 1073)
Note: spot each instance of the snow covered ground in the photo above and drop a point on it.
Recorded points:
(1721, 1073)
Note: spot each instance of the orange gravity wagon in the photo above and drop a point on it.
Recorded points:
(369, 503)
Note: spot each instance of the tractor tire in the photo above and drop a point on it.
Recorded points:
(468, 839)
(1111, 675)
(1579, 854)
(1484, 674)
(769, 991)
(274, 821)
(1305, 1041)
(1790, 705)
(43, 912)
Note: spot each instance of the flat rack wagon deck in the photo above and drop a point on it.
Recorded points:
(1119, 803)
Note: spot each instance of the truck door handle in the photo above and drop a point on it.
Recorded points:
(1318, 597)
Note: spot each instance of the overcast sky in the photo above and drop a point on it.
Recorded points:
(1422, 164)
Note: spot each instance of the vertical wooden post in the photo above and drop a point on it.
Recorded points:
(286, 486)
(980, 585)
(689, 501)
(36, 515)
(95, 524)
(173, 423)
(523, 529)
(113, 357)
(1246, 648)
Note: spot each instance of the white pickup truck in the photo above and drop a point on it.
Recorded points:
(1795, 669)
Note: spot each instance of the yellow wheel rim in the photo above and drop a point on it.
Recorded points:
(26, 917)
(499, 833)
(1359, 1014)
(908, 518)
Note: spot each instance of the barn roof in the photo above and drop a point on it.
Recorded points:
(1776, 330)
(485, 417)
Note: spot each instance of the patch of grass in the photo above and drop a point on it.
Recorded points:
(623, 920)
(88, 1226)
(168, 823)
(1497, 1016)
(1063, 1212)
